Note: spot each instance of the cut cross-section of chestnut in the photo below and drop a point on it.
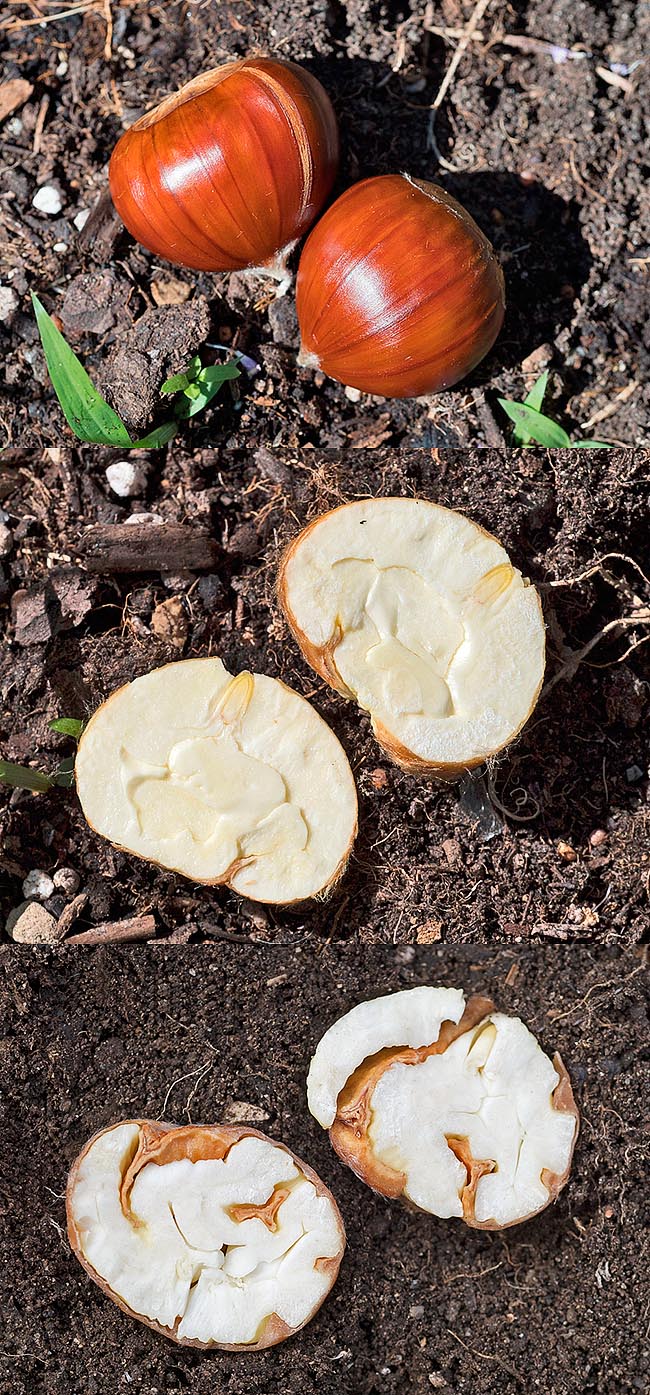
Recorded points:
(398, 291)
(230, 171)
(213, 1236)
(233, 780)
(448, 1104)
(417, 614)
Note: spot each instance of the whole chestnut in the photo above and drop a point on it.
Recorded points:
(231, 170)
(398, 292)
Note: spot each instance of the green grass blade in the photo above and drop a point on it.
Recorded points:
(593, 445)
(158, 437)
(83, 407)
(539, 428)
(535, 397)
(20, 777)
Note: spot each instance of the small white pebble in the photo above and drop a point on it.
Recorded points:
(353, 394)
(47, 200)
(38, 884)
(126, 478)
(153, 518)
(6, 540)
(67, 880)
(62, 68)
(60, 247)
(14, 127)
(81, 218)
(9, 302)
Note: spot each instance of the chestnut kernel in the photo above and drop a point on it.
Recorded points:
(398, 292)
(215, 1237)
(231, 170)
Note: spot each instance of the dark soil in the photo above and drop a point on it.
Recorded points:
(546, 155)
(557, 1305)
(552, 843)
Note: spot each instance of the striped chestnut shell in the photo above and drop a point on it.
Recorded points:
(398, 293)
(231, 170)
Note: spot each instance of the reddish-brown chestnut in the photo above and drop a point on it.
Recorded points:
(398, 291)
(231, 170)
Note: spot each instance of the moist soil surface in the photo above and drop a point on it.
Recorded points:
(556, 1305)
(540, 136)
(551, 842)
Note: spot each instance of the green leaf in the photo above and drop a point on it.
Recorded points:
(178, 383)
(65, 774)
(158, 437)
(85, 410)
(208, 383)
(22, 778)
(535, 397)
(593, 445)
(539, 428)
(68, 726)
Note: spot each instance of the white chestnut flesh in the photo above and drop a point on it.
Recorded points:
(213, 1236)
(233, 780)
(470, 1119)
(417, 614)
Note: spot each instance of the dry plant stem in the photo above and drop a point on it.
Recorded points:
(639, 617)
(469, 32)
(142, 927)
(214, 1236)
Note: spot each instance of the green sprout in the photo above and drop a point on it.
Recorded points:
(530, 424)
(89, 415)
(22, 777)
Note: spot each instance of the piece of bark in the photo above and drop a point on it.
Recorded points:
(71, 912)
(138, 927)
(13, 94)
(147, 547)
(101, 230)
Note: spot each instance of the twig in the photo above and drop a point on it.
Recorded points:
(612, 407)
(195, 1075)
(487, 1356)
(595, 567)
(578, 656)
(617, 984)
(468, 33)
(139, 927)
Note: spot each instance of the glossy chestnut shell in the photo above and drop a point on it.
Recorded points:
(231, 170)
(398, 292)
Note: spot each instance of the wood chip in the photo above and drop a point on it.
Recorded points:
(169, 622)
(71, 912)
(13, 94)
(139, 927)
(429, 932)
(147, 547)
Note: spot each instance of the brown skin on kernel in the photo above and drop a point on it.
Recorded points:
(165, 1143)
(322, 659)
(266, 1213)
(349, 1132)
